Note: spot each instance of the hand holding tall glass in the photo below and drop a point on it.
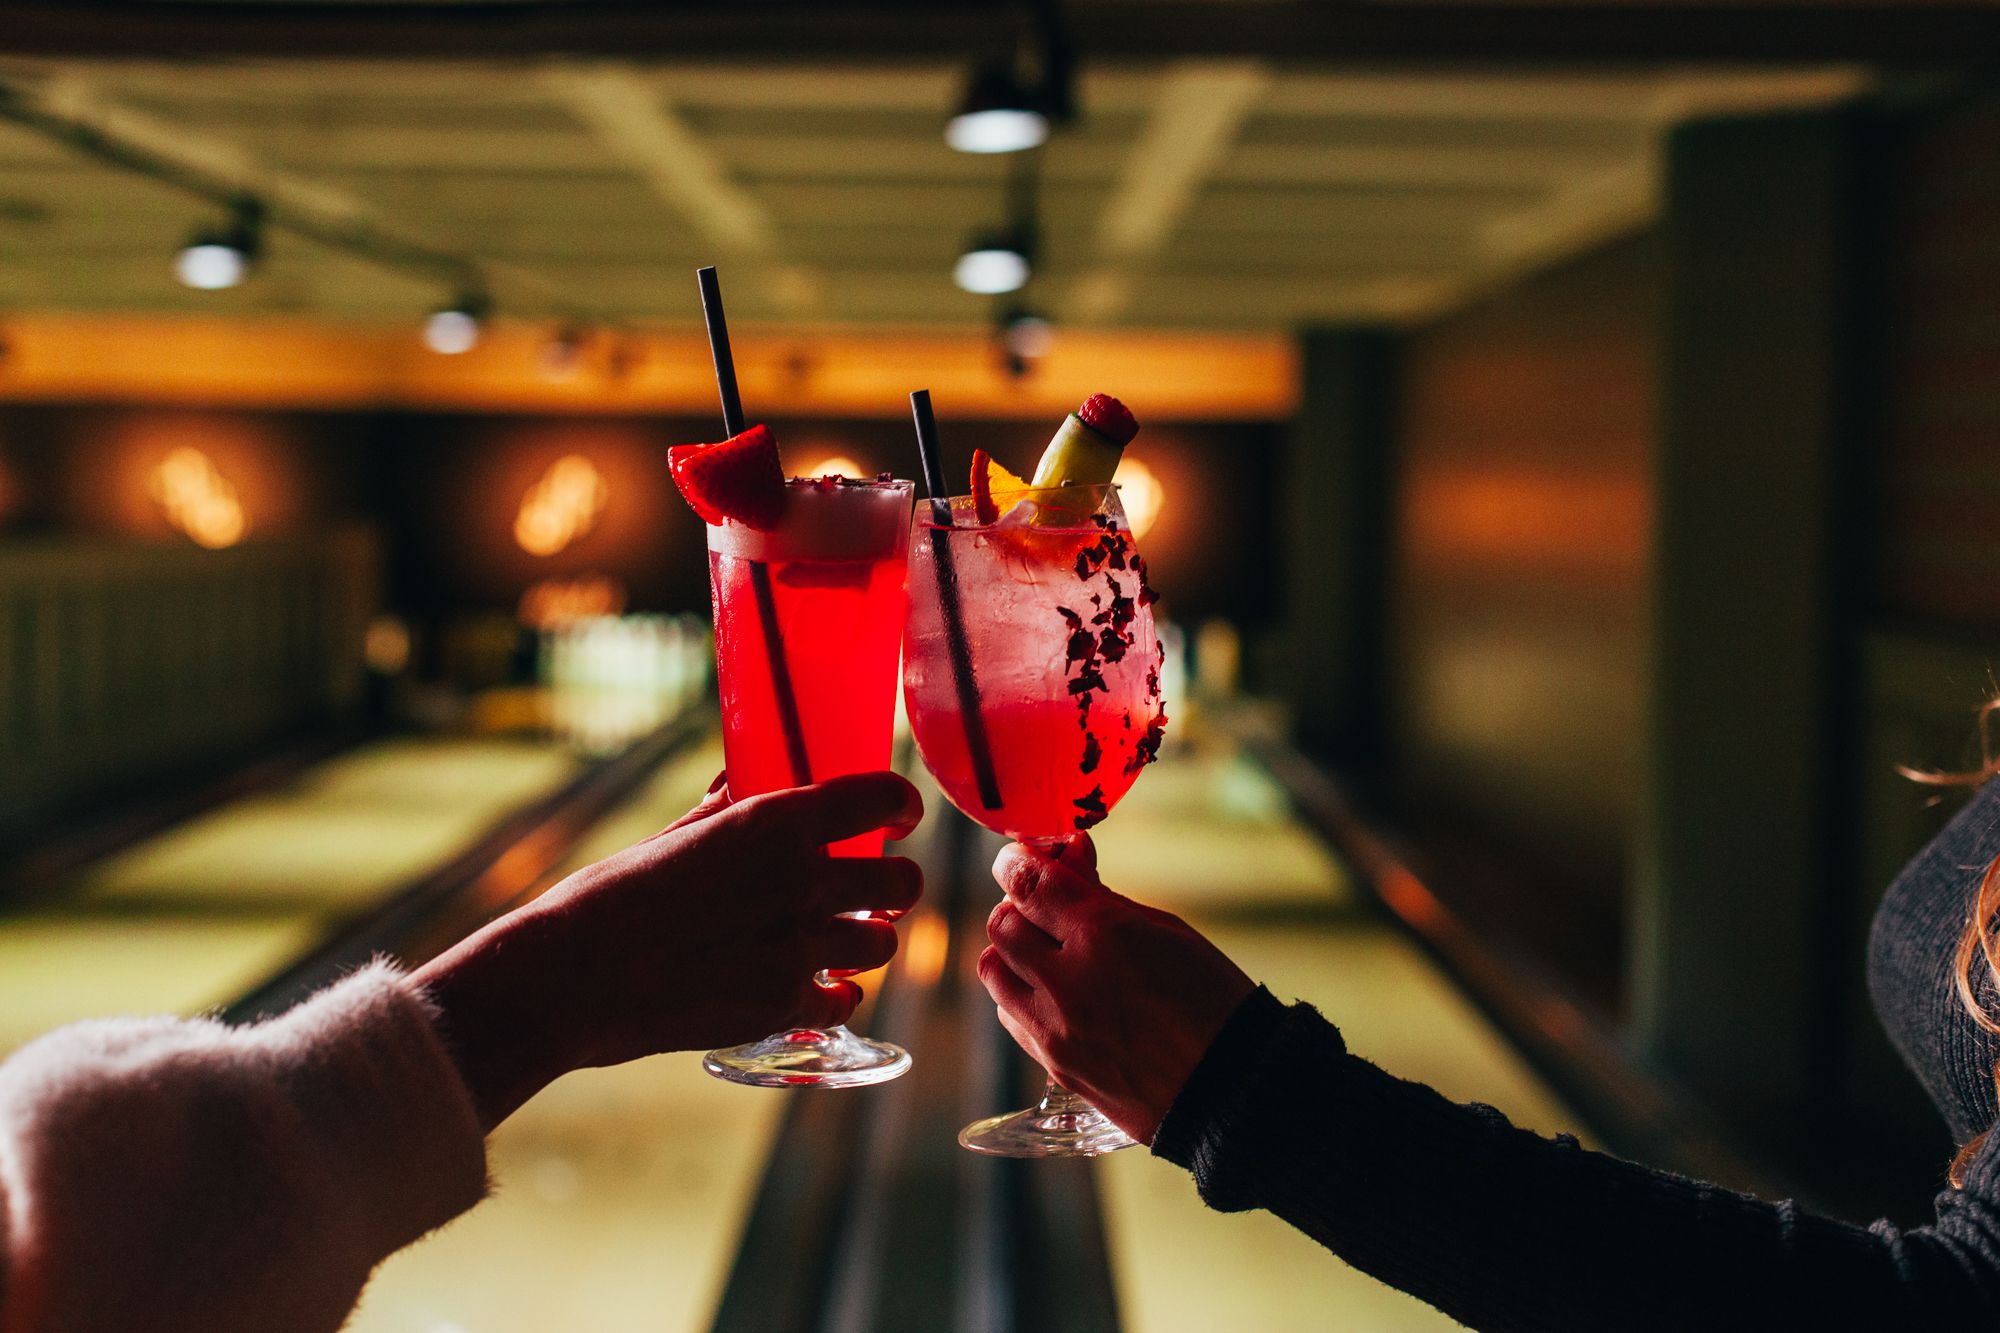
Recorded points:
(1031, 674)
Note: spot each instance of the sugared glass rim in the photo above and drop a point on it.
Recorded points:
(967, 502)
(842, 482)
(827, 523)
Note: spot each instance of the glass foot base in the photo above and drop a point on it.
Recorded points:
(1060, 1125)
(809, 1058)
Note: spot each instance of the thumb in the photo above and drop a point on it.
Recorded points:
(1048, 892)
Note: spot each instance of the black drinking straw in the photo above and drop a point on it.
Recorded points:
(760, 573)
(954, 617)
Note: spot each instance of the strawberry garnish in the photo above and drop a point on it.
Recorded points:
(740, 478)
(1109, 418)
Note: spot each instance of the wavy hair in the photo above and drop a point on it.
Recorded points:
(1979, 944)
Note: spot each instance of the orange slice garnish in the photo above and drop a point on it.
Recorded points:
(988, 480)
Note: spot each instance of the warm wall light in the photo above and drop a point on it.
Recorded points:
(1141, 493)
(840, 465)
(199, 500)
(561, 507)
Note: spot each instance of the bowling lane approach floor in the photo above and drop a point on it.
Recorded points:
(622, 1194)
(195, 916)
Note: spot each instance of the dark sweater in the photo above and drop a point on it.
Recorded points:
(1503, 1229)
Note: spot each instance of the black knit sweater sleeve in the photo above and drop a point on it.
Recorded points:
(1503, 1229)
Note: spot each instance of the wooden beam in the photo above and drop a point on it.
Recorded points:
(279, 363)
(1195, 118)
(74, 110)
(1293, 31)
(633, 122)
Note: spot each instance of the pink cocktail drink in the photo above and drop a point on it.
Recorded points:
(834, 570)
(1031, 672)
(1059, 632)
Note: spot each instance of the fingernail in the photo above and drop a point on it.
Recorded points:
(721, 780)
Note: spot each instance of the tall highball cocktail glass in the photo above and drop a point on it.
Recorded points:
(808, 620)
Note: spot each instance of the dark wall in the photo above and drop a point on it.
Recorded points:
(1932, 582)
(1523, 505)
(88, 470)
(445, 491)
(1940, 469)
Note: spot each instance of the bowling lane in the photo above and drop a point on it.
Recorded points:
(621, 1193)
(198, 915)
(1208, 835)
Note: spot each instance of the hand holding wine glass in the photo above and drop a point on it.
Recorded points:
(709, 931)
(1117, 1000)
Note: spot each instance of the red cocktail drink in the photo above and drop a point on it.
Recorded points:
(834, 570)
(808, 624)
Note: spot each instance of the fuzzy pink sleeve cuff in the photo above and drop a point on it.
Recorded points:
(173, 1174)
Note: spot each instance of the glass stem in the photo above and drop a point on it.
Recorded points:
(1060, 1101)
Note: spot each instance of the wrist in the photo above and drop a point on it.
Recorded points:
(495, 1018)
(1219, 1077)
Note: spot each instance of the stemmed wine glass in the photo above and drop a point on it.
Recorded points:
(1031, 674)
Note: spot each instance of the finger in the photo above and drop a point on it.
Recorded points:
(1023, 946)
(1047, 892)
(1002, 982)
(716, 800)
(827, 1004)
(889, 884)
(1024, 1035)
(1079, 855)
(848, 945)
(848, 806)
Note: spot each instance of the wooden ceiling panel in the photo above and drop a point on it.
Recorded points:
(1362, 165)
(1213, 193)
(421, 148)
(811, 156)
(1380, 250)
(1312, 213)
(462, 198)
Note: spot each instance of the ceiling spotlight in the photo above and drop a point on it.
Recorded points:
(562, 354)
(997, 115)
(455, 328)
(993, 264)
(1026, 334)
(219, 257)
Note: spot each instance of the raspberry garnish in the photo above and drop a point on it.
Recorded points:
(1109, 418)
